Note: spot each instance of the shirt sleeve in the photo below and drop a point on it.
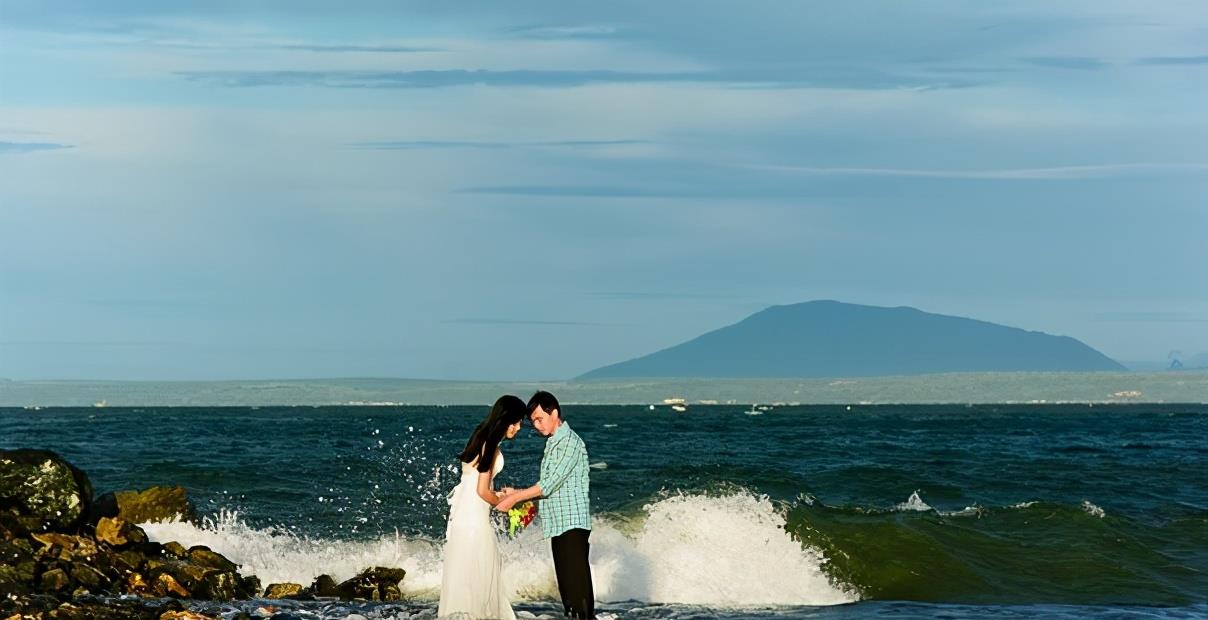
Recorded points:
(562, 463)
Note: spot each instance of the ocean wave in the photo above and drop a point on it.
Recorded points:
(732, 548)
(718, 551)
(914, 503)
(1026, 552)
(1093, 510)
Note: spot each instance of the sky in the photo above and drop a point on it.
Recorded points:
(486, 190)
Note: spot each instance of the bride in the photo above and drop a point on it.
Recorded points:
(472, 581)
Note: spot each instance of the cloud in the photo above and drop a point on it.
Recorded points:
(767, 78)
(317, 47)
(489, 321)
(1151, 317)
(84, 343)
(1049, 173)
(717, 185)
(599, 31)
(1067, 62)
(30, 147)
(406, 145)
(1174, 60)
(655, 296)
(585, 191)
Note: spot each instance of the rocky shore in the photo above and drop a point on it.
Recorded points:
(65, 554)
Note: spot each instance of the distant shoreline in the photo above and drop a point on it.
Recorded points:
(1189, 386)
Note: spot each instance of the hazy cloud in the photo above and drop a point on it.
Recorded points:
(586, 191)
(1050, 173)
(489, 321)
(30, 147)
(599, 31)
(850, 78)
(656, 295)
(1174, 60)
(405, 145)
(1067, 62)
(318, 47)
(1151, 317)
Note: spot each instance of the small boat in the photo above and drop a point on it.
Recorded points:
(679, 408)
(754, 410)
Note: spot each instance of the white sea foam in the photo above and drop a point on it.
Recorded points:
(730, 551)
(914, 503)
(1093, 510)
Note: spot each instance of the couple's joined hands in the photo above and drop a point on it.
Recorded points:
(506, 499)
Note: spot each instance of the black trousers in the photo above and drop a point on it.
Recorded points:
(574, 573)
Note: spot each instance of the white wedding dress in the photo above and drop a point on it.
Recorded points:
(471, 585)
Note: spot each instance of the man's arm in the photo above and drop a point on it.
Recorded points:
(562, 464)
(511, 499)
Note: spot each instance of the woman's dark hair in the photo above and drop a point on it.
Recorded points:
(483, 444)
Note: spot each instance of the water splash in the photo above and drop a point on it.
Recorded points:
(728, 551)
(914, 503)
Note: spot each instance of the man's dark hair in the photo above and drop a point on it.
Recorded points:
(546, 401)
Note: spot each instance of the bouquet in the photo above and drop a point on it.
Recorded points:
(520, 516)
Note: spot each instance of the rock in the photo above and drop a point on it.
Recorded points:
(203, 556)
(219, 586)
(372, 584)
(69, 611)
(324, 585)
(146, 506)
(65, 546)
(61, 543)
(41, 484)
(17, 566)
(166, 585)
(53, 580)
(155, 566)
(11, 525)
(249, 586)
(46, 607)
(137, 584)
(89, 577)
(128, 560)
(118, 532)
(150, 549)
(176, 549)
(282, 590)
(185, 615)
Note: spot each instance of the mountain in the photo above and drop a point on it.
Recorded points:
(834, 339)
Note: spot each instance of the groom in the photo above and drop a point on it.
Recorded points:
(564, 508)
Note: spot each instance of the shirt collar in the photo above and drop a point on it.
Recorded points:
(561, 433)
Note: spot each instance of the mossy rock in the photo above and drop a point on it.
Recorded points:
(41, 484)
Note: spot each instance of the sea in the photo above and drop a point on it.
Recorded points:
(720, 511)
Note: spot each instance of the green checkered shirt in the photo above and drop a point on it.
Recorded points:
(564, 483)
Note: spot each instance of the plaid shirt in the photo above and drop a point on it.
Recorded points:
(564, 483)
